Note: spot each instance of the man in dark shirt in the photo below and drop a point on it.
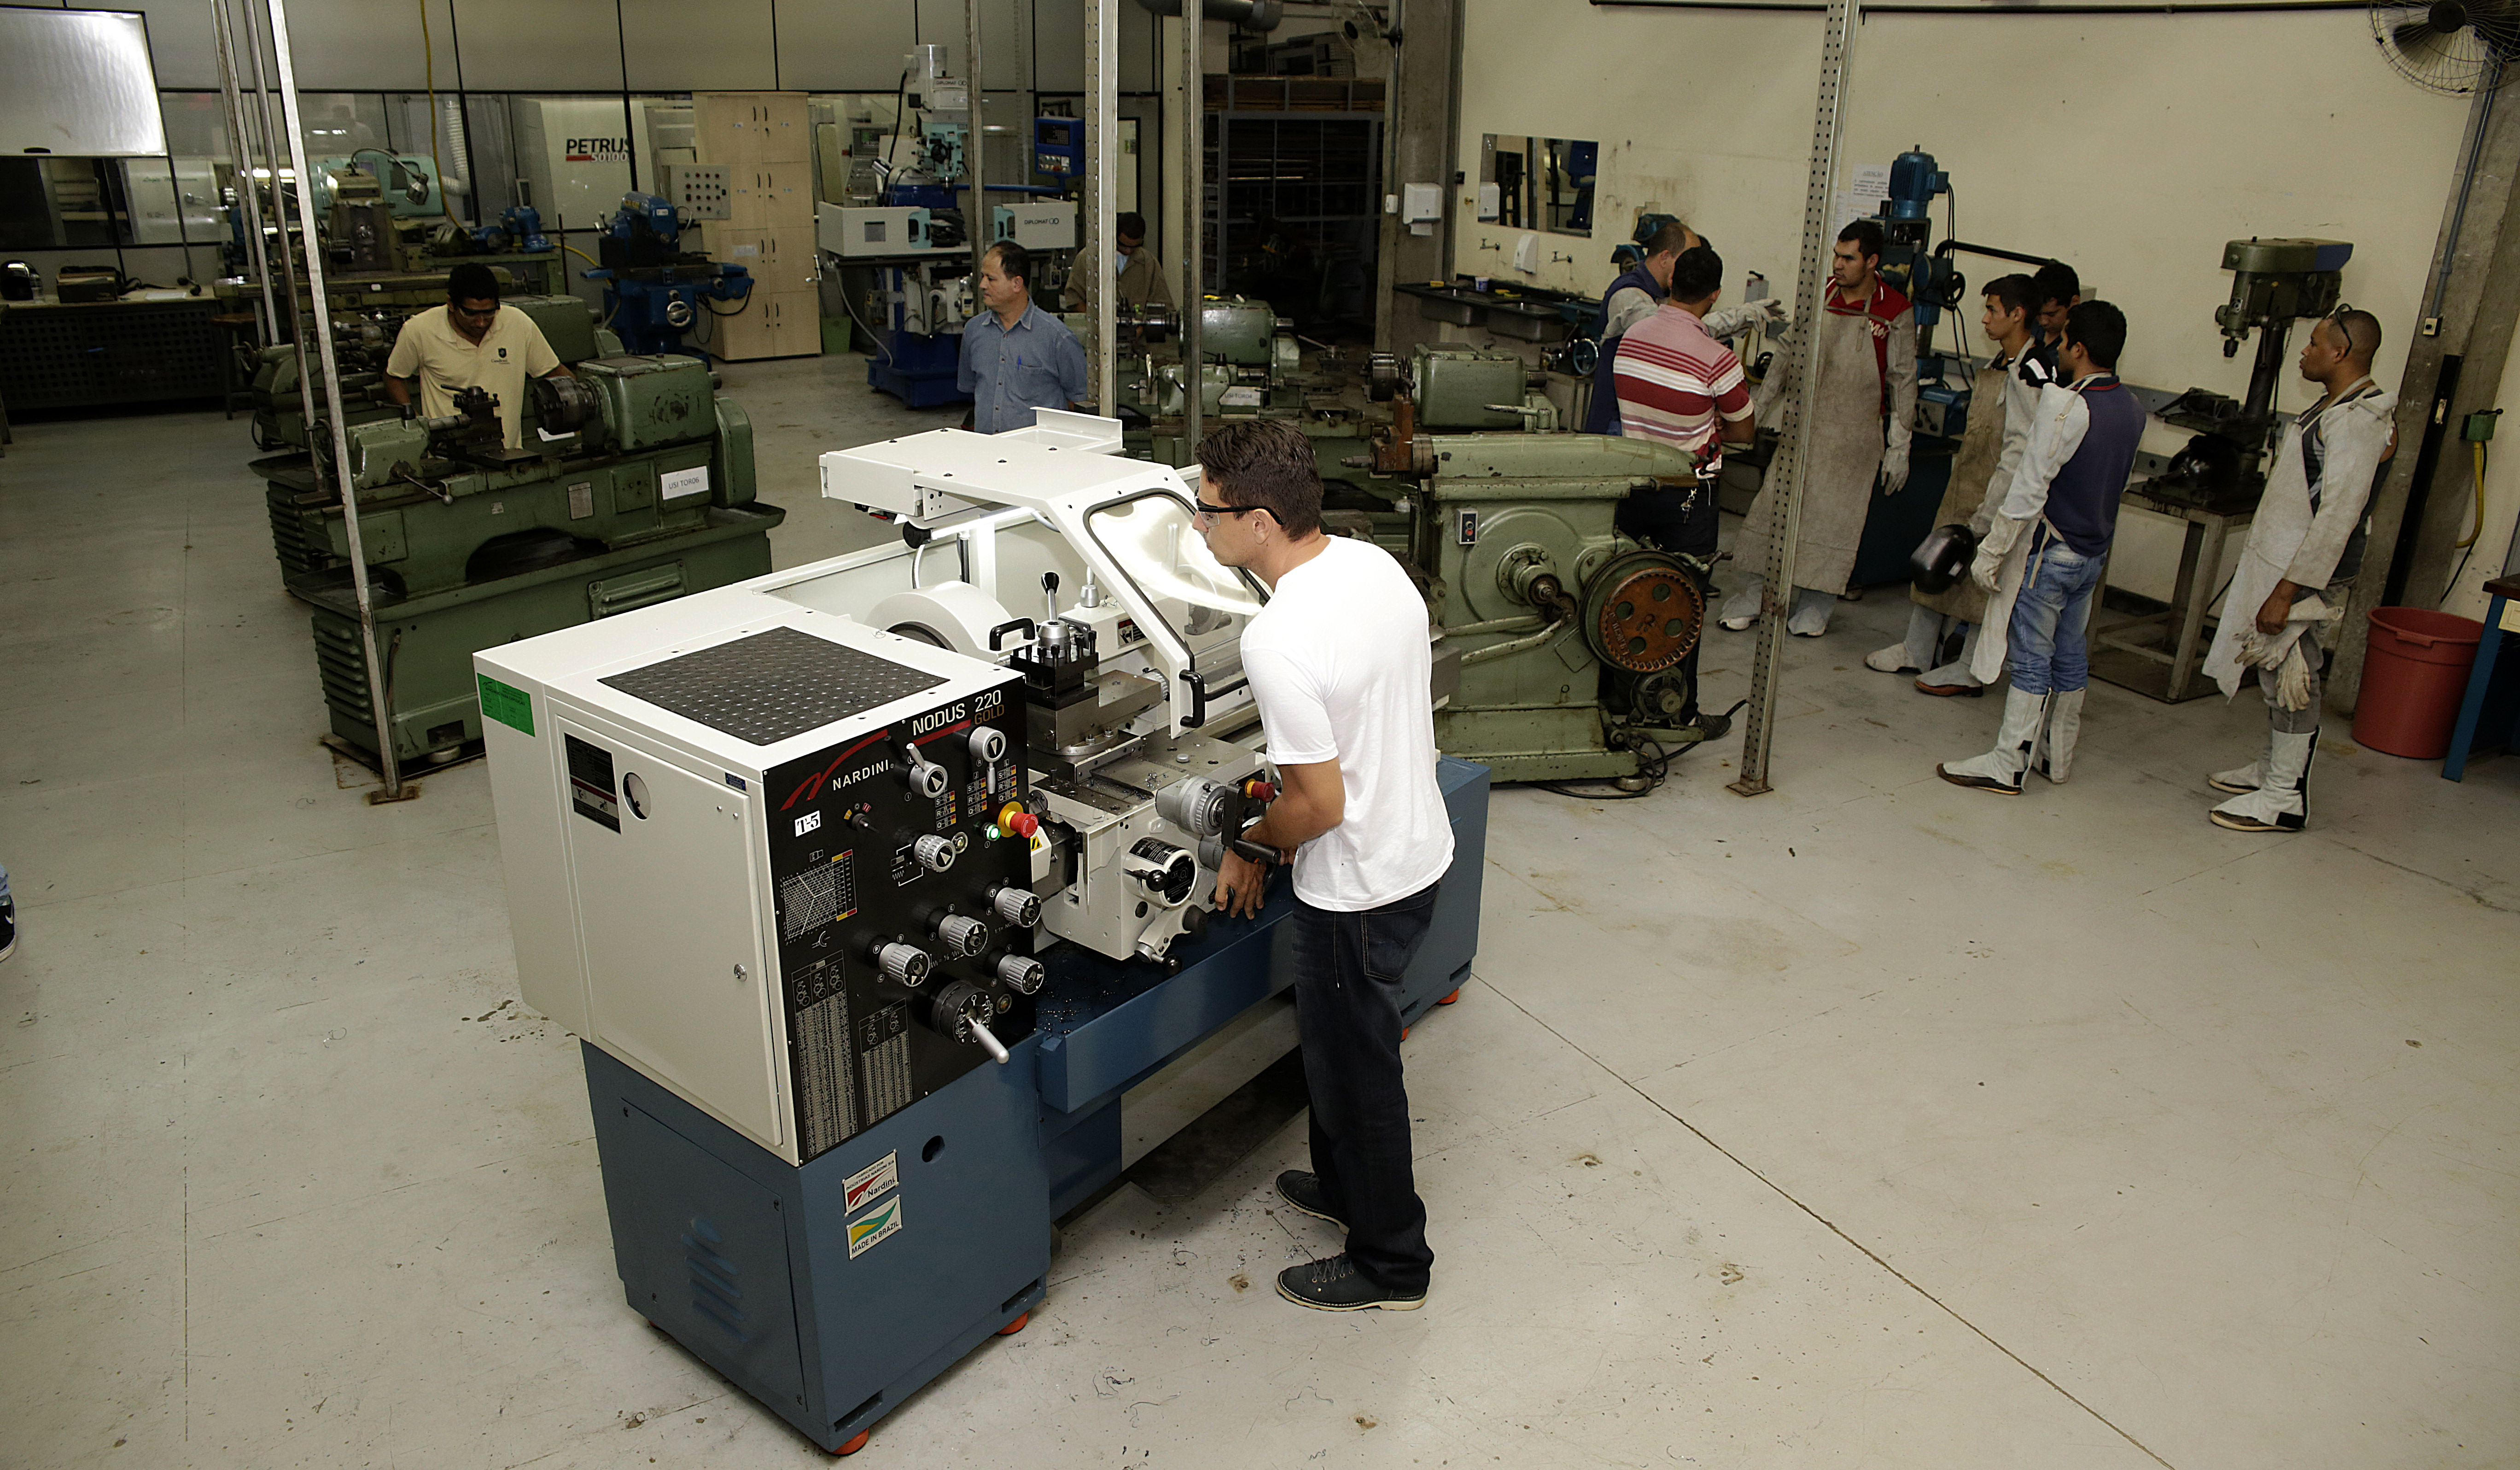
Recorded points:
(2044, 555)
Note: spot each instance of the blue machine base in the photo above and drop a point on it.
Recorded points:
(745, 1258)
(920, 371)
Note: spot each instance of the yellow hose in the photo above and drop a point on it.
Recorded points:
(2479, 447)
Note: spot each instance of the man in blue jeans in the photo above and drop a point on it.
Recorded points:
(1338, 662)
(2046, 550)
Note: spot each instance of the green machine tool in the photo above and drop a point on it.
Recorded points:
(364, 338)
(639, 489)
(1572, 637)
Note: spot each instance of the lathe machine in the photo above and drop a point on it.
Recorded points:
(872, 885)
(636, 485)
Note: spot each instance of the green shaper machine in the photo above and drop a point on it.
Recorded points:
(638, 487)
(1571, 639)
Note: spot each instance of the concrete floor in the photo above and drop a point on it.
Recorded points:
(1869, 1123)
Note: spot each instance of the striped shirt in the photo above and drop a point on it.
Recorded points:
(1675, 382)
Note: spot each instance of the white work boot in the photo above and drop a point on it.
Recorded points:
(2054, 758)
(2283, 803)
(1742, 609)
(1809, 615)
(1913, 653)
(1999, 770)
(2242, 779)
(1958, 676)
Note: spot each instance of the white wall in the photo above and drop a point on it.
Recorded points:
(2131, 146)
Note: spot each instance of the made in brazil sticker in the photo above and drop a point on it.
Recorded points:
(875, 1227)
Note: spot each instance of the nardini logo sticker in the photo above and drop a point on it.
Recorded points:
(873, 1182)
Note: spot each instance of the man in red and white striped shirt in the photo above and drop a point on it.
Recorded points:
(1676, 383)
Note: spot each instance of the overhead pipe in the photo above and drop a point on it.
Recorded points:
(1250, 14)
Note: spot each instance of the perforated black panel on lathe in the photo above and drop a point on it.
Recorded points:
(773, 686)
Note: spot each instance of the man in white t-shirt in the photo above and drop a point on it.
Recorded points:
(1339, 665)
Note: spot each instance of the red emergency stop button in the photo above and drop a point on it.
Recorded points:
(1259, 791)
(1013, 817)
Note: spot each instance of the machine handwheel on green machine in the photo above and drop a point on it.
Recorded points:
(1642, 613)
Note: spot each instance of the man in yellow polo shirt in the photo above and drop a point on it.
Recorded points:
(471, 342)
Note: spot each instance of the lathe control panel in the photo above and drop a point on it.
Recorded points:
(904, 907)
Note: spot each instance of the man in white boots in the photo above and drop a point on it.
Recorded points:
(2043, 556)
(1862, 407)
(2304, 549)
(2000, 405)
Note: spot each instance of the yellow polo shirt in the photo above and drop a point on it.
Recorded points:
(445, 361)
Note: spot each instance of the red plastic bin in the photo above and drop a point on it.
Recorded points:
(2413, 677)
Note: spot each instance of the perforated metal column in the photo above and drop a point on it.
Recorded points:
(1802, 365)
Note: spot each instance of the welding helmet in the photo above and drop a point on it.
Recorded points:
(1943, 557)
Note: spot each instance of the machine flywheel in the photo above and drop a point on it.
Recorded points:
(1643, 612)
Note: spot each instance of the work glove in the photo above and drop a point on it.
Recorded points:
(1992, 547)
(1894, 469)
(1726, 323)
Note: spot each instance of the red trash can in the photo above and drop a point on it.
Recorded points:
(2414, 675)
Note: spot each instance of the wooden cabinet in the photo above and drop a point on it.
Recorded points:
(764, 142)
(772, 324)
(779, 257)
(751, 127)
(769, 193)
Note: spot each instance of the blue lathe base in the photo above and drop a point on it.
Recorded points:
(745, 1258)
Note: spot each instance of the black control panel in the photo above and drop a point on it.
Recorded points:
(904, 910)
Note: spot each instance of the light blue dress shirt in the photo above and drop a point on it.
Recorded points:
(1037, 364)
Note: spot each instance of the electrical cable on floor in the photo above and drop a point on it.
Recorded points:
(1656, 768)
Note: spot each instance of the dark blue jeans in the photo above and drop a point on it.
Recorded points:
(1347, 1011)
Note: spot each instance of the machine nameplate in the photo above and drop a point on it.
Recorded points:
(773, 686)
(873, 1183)
(592, 789)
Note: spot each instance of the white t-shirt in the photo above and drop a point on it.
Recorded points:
(1339, 665)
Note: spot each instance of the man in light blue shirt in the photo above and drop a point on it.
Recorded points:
(1016, 357)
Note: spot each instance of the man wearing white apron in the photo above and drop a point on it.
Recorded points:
(2000, 405)
(1862, 409)
(2304, 549)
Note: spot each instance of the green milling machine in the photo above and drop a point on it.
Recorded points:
(1572, 639)
(638, 487)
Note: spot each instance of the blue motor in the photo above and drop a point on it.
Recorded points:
(654, 289)
(1908, 225)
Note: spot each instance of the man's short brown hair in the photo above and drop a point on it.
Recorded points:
(1270, 463)
(1671, 239)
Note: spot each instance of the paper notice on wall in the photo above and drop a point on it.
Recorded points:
(1863, 186)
